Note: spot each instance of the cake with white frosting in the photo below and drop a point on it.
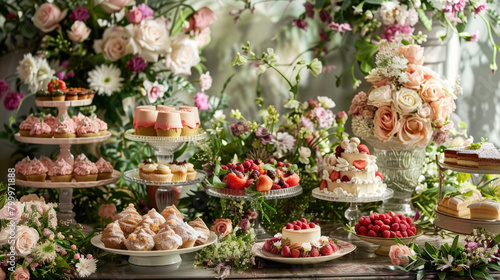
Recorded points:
(352, 171)
(457, 205)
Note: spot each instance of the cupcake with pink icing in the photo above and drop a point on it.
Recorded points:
(65, 129)
(138, 108)
(190, 123)
(79, 159)
(88, 128)
(50, 120)
(78, 119)
(85, 171)
(165, 108)
(34, 170)
(60, 171)
(168, 124)
(21, 166)
(103, 126)
(145, 123)
(47, 162)
(104, 168)
(26, 125)
(192, 109)
(41, 130)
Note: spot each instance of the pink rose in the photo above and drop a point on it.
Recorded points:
(201, 101)
(205, 81)
(222, 227)
(47, 17)
(399, 254)
(113, 6)
(414, 54)
(416, 77)
(432, 90)
(12, 211)
(79, 32)
(21, 273)
(425, 111)
(134, 16)
(414, 130)
(201, 19)
(107, 211)
(442, 110)
(112, 45)
(385, 123)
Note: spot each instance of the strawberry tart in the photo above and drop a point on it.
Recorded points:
(352, 171)
(301, 239)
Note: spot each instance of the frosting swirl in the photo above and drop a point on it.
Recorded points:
(60, 167)
(104, 166)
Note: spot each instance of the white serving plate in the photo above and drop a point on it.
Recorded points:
(62, 141)
(463, 225)
(73, 184)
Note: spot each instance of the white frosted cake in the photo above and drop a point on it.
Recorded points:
(352, 171)
(301, 235)
(457, 205)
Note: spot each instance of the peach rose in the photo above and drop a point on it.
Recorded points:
(414, 54)
(432, 90)
(79, 32)
(222, 227)
(399, 254)
(113, 45)
(442, 110)
(385, 123)
(425, 111)
(26, 238)
(201, 19)
(414, 130)
(48, 16)
(107, 211)
(416, 76)
(113, 6)
(21, 273)
(12, 211)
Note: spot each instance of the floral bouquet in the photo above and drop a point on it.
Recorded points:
(31, 243)
(407, 99)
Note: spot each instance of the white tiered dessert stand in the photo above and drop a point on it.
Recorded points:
(164, 148)
(457, 224)
(66, 213)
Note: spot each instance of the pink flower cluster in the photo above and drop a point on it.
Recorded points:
(391, 33)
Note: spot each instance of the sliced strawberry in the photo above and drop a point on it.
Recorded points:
(379, 174)
(236, 183)
(363, 149)
(292, 180)
(264, 183)
(338, 150)
(334, 175)
(280, 173)
(360, 164)
(322, 185)
(345, 178)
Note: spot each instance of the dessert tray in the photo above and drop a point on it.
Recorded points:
(133, 176)
(73, 184)
(153, 258)
(272, 194)
(129, 134)
(469, 170)
(464, 225)
(384, 244)
(344, 249)
(62, 141)
(66, 103)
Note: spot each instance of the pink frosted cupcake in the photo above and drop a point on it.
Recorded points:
(105, 169)
(51, 121)
(168, 124)
(21, 167)
(78, 119)
(138, 108)
(41, 130)
(60, 171)
(65, 129)
(26, 125)
(103, 126)
(88, 128)
(79, 159)
(189, 123)
(145, 123)
(35, 171)
(85, 171)
(164, 108)
(47, 162)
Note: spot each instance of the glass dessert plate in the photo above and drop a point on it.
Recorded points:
(133, 176)
(272, 194)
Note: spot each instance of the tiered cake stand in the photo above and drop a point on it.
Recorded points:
(164, 148)
(242, 194)
(457, 224)
(66, 189)
(352, 213)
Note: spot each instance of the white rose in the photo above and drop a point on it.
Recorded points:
(380, 96)
(27, 69)
(152, 37)
(12, 211)
(184, 55)
(401, 14)
(113, 6)
(406, 101)
(326, 102)
(4, 235)
(304, 153)
(385, 12)
(79, 32)
(26, 238)
(114, 44)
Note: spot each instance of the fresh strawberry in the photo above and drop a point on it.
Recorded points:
(334, 246)
(292, 180)
(362, 230)
(372, 233)
(363, 149)
(379, 174)
(280, 173)
(314, 252)
(286, 252)
(275, 250)
(338, 151)
(267, 245)
(249, 183)
(386, 234)
(326, 250)
(236, 183)
(360, 164)
(322, 185)
(345, 178)
(404, 234)
(264, 183)
(289, 226)
(312, 225)
(334, 175)
(304, 226)
(295, 253)
(296, 227)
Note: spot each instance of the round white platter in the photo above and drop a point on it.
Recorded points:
(115, 176)
(62, 141)
(66, 103)
(463, 225)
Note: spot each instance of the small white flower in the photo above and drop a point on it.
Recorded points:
(236, 114)
(277, 244)
(85, 267)
(307, 246)
(292, 104)
(326, 102)
(278, 235)
(304, 153)
(448, 262)
(105, 79)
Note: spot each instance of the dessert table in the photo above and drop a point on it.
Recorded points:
(360, 264)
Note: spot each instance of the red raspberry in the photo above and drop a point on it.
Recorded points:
(223, 167)
(338, 151)
(275, 251)
(289, 226)
(296, 228)
(386, 234)
(376, 228)
(345, 178)
(240, 168)
(362, 230)
(312, 225)
(247, 164)
(267, 245)
(303, 220)
(395, 227)
(304, 226)
(372, 233)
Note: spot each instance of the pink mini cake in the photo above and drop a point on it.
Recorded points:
(103, 126)
(60, 171)
(145, 123)
(138, 108)
(50, 120)
(47, 162)
(189, 123)
(35, 171)
(85, 171)
(168, 124)
(21, 165)
(65, 129)
(105, 169)
(164, 108)
(88, 128)
(26, 125)
(192, 109)
(41, 130)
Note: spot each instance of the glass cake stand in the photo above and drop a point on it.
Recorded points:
(242, 194)
(352, 213)
(164, 148)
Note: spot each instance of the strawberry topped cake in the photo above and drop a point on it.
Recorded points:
(352, 171)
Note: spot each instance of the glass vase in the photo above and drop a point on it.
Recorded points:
(401, 166)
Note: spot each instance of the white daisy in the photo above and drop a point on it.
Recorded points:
(27, 69)
(105, 79)
(43, 75)
(85, 267)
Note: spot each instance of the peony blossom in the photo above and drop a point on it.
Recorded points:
(414, 130)
(385, 123)
(222, 227)
(79, 32)
(201, 19)
(201, 101)
(48, 16)
(399, 254)
(184, 55)
(12, 100)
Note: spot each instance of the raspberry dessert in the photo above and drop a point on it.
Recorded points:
(386, 225)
